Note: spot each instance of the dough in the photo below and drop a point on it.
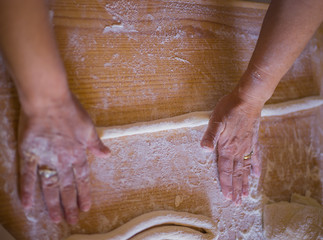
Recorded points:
(301, 219)
(157, 225)
(202, 118)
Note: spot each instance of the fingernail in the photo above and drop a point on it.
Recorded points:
(229, 195)
(106, 150)
(56, 218)
(245, 192)
(26, 203)
(86, 207)
(207, 145)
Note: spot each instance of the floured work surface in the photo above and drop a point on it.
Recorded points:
(133, 61)
(299, 219)
(168, 170)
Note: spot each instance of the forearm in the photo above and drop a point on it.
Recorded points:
(287, 27)
(29, 49)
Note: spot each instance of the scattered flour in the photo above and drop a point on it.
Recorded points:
(172, 162)
(118, 29)
(234, 222)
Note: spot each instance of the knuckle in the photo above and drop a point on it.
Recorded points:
(71, 210)
(27, 177)
(49, 183)
(238, 173)
(81, 175)
(67, 189)
(85, 202)
(225, 173)
(83, 181)
(225, 180)
(26, 195)
(52, 203)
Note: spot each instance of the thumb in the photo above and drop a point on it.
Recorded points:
(97, 147)
(212, 134)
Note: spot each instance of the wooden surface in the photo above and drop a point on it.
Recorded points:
(130, 61)
(169, 170)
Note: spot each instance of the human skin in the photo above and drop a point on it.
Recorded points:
(54, 129)
(233, 127)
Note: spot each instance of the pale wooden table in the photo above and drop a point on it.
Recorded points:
(131, 61)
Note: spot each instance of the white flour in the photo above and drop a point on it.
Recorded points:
(171, 165)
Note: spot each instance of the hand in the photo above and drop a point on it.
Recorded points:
(52, 146)
(233, 128)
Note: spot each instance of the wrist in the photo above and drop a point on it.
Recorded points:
(255, 86)
(41, 105)
(41, 98)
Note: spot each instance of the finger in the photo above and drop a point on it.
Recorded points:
(97, 147)
(212, 134)
(50, 189)
(225, 169)
(256, 163)
(245, 177)
(81, 176)
(237, 180)
(28, 176)
(68, 195)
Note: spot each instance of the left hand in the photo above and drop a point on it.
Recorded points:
(233, 129)
(52, 147)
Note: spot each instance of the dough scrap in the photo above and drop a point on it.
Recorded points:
(301, 219)
(160, 225)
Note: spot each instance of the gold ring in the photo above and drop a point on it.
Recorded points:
(248, 156)
(47, 173)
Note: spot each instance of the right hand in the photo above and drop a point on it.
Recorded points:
(233, 132)
(52, 147)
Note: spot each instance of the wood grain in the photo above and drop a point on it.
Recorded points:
(130, 61)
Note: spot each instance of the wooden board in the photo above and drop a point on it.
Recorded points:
(130, 61)
(169, 170)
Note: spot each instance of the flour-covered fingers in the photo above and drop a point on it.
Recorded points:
(81, 175)
(225, 170)
(68, 193)
(28, 177)
(237, 180)
(50, 188)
